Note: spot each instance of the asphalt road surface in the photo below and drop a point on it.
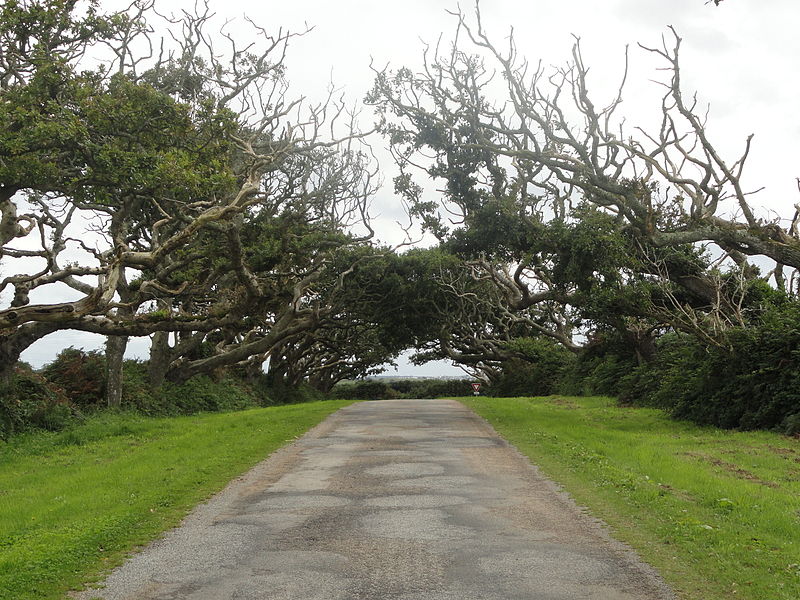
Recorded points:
(401, 499)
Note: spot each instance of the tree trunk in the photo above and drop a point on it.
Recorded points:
(254, 368)
(115, 353)
(14, 344)
(644, 345)
(9, 223)
(158, 365)
(645, 350)
(276, 371)
(6, 367)
(323, 381)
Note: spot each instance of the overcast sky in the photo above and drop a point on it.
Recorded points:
(741, 58)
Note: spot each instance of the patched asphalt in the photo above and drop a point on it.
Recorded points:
(398, 499)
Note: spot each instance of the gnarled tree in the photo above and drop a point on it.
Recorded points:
(523, 174)
(182, 192)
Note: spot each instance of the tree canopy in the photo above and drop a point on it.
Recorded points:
(181, 195)
(188, 196)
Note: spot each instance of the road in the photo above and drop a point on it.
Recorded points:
(401, 499)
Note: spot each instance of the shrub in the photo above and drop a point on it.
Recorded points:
(50, 399)
(596, 375)
(80, 374)
(364, 390)
(371, 389)
(437, 388)
(136, 391)
(202, 393)
(791, 425)
(270, 393)
(751, 380)
(538, 374)
(752, 383)
(30, 401)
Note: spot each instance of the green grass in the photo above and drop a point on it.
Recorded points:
(72, 504)
(716, 512)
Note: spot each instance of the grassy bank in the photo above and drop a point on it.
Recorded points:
(716, 512)
(72, 503)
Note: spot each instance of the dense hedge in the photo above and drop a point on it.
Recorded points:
(30, 401)
(750, 380)
(74, 384)
(377, 389)
(541, 373)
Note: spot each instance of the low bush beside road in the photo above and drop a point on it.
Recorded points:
(401, 387)
(72, 388)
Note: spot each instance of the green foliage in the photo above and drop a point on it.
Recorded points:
(29, 401)
(751, 380)
(75, 380)
(538, 374)
(124, 139)
(440, 388)
(374, 389)
(203, 394)
(495, 228)
(600, 367)
(198, 394)
(365, 390)
(791, 425)
(80, 374)
(274, 393)
(589, 251)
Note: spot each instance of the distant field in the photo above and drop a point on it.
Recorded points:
(73, 503)
(716, 512)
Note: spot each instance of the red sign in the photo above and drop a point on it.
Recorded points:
(476, 387)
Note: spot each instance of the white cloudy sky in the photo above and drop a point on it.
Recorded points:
(741, 57)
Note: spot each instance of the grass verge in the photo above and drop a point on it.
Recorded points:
(716, 512)
(72, 504)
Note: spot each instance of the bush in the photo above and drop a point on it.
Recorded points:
(438, 388)
(80, 374)
(753, 383)
(267, 393)
(364, 390)
(30, 401)
(791, 425)
(203, 394)
(539, 374)
(136, 391)
(750, 381)
(599, 369)
(76, 379)
(371, 389)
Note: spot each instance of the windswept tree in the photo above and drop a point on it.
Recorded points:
(179, 190)
(365, 327)
(549, 143)
(550, 197)
(449, 311)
